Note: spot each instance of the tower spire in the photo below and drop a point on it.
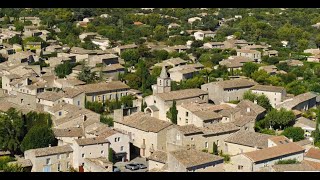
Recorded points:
(163, 72)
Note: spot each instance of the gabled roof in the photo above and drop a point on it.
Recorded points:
(250, 139)
(159, 156)
(313, 153)
(191, 158)
(144, 122)
(274, 152)
(50, 95)
(268, 88)
(303, 166)
(296, 100)
(235, 83)
(69, 132)
(306, 122)
(189, 129)
(181, 94)
(99, 87)
(91, 141)
(52, 150)
(219, 128)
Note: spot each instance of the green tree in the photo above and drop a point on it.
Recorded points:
(249, 96)
(4, 160)
(127, 101)
(279, 118)
(12, 131)
(264, 102)
(160, 54)
(95, 106)
(130, 56)
(106, 120)
(160, 33)
(173, 113)
(215, 149)
(249, 68)
(15, 40)
(13, 168)
(38, 137)
(110, 155)
(296, 133)
(86, 75)
(64, 69)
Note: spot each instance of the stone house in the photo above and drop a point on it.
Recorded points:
(228, 90)
(89, 148)
(306, 124)
(120, 49)
(174, 62)
(255, 160)
(101, 92)
(301, 102)
(200, 35)
(253, 54)
(312, 155)
(157, 160)
(184, 72)
(50, 159)
(193, 161)
(99, 164)
(275, 94)
(235, 62)
(147, 134)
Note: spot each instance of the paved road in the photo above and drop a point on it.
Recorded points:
(121, 165)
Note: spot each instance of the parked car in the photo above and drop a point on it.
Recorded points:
(142, 166)
(132, 166)
(116, 169)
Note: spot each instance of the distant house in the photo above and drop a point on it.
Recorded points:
(313, 155)
(147, 134)
(173, 26)
(301, 102)
(235, 62)
(271, 53)
(292, 62)
(88, 35)
(22, 57)
(99, 164)
(193, 19)
(174, 62)
(50, 159)
(229, 90)
(272, 70)
(306, 124)
(120, 49)
(214, 45)
(200, 35)
(255, 160)
(253, 54)
(193, 161)
(185, 71)
(275, 94)
(157, 160)
(100, 92)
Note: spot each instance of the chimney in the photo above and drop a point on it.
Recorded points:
(49, 145)
(118, 115)
(255, 102)
(248, 109)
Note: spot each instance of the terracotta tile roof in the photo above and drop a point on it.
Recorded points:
(274, 152)
(50, 95)
(296, 100)
(207, 115)
(103, 87)
(181, 94)
(171, 61)
(304, 142)
(315, 165)
(243, 120)
(255, 109)
(144, 122)
(72, 82)
(159, 156)
(189, 129)
(219, 128)
(71, 92)
(250, 139)
(278, 140)
(191, 158)
(68, 132)
(235, 83)
(303, 166)
(22, 163)
(110, 67)
(305, 122)
(52, 150)
(91, 141)
(268, 88)
(193, 106)
(313, 153)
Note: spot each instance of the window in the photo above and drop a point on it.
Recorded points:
(179, 118)
(78, 103)
(186, 121)
(48, 161)
(118, 139)
(275, 99)
(110, 96)
(240, 167)
(178, 137)
(59, 156)
(154, 101)
(160, 83)
(206, 145)
(93, 97)
(82, 155)
(121, 148)
(102, 152)
(218, 143)
(59, 167)
(187, 114)
(115, 139)
(192, 139)
(67, 165)
(103, 98)
(60, 113)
